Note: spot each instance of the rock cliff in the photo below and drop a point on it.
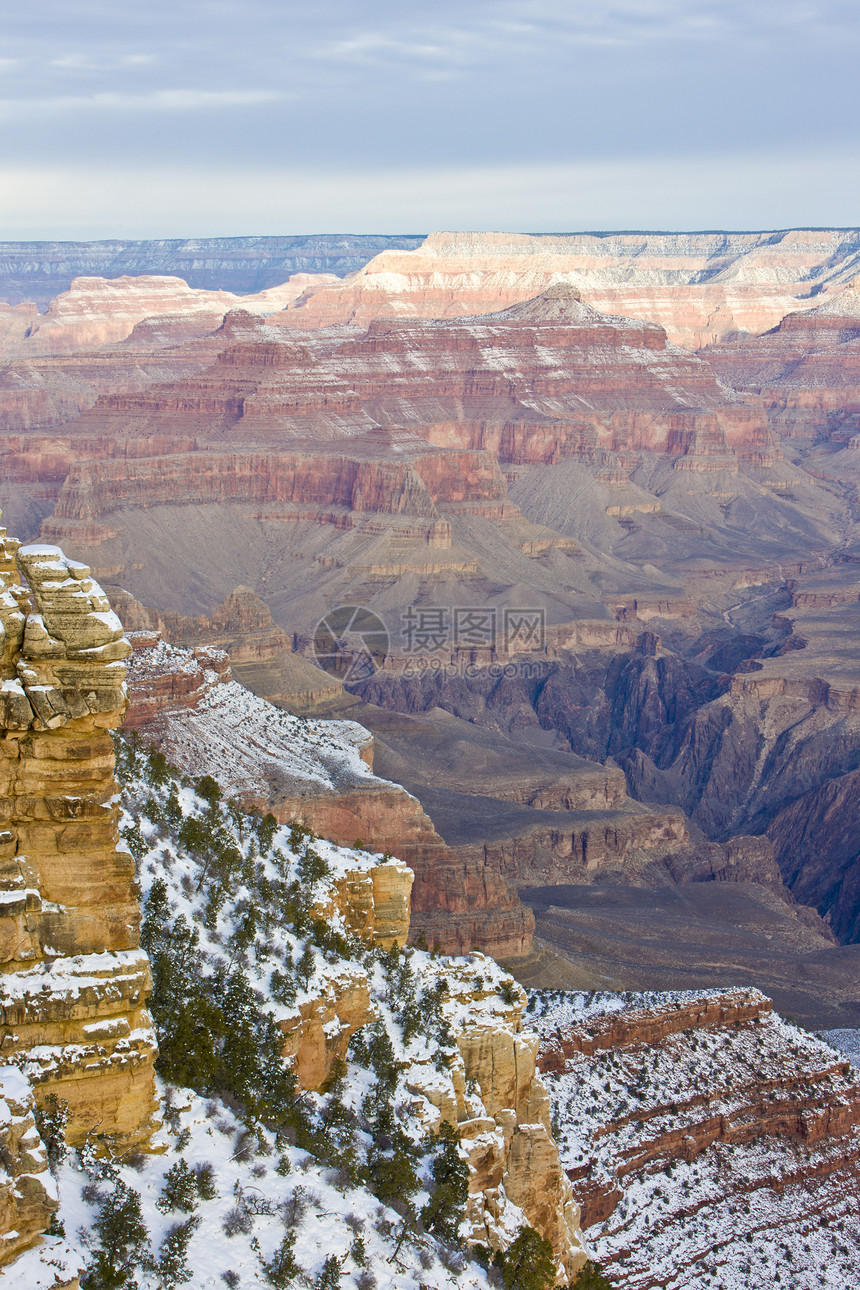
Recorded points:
(37, 271)
(492, 1095)
(316, 773)
(700, 286)
(27, 1192)
(74, 981)
(95, 312)
(806, 370)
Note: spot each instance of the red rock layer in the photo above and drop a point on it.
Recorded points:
(531, 384)
(806, 371)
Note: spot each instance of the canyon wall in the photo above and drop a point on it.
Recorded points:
(37, 271)
(316, 773)
(491, 1094)
(806, 371)
(701, 287)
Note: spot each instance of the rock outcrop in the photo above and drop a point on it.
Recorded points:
(703, 1136)
(317, 773)
(74, 980)
(492, 1096)
(28, 1196)
(372, 901)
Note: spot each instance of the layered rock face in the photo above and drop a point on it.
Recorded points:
(96, 311)
(371, 900)
(37, 271)
(316, 773)
(74, 981)
(704, 1137)
(806, 371)
(499, 1107)
(546, 376)
(700, 286)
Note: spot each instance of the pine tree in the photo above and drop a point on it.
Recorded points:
(179, 1191)
(281, 1269)
(443, 1212)
(266, 830)
(171, 1267)
(51, 1120)
(529, 1264)
(329, 1277)
(591, 1278)
(123, 1242)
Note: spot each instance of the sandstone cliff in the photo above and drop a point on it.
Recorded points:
(95, 312)
(493, 1097)
(74, 981)
(27, 1192)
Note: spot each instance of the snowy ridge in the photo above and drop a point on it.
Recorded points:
(247, 744)
(721, 1155)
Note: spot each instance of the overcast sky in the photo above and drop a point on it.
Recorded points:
(206, 117)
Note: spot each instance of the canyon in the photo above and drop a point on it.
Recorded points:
(508, 423)
(571, 1110)
(39, 271)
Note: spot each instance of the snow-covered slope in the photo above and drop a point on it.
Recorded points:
(269, 1184)
(712, 1143)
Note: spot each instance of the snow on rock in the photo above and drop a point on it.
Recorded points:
(427, 1040)
(28, 1194)
(711, 1143)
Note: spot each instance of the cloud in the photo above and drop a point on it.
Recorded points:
(178, 100)
(436, 94)
(85, 62)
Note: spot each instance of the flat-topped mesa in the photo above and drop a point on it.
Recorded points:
(73, 980)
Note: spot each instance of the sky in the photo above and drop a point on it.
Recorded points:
(181, 118)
